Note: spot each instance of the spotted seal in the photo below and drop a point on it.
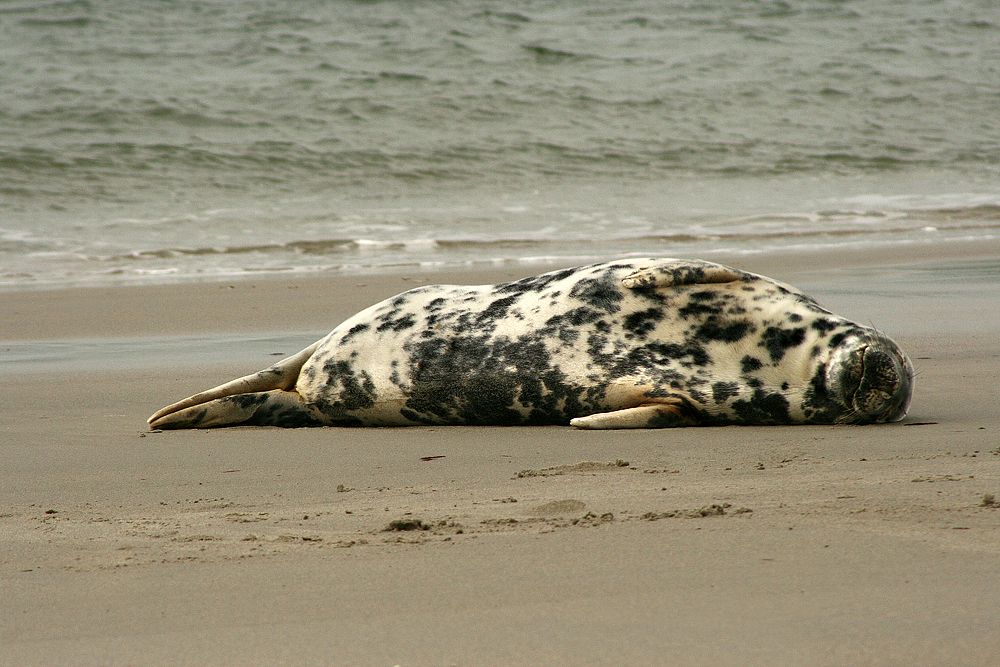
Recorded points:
(637, 343)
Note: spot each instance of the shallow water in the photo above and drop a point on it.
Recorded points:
(166, 141)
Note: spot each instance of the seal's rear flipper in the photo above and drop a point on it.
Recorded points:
(269, 408)
(670, 413)
(283, 375)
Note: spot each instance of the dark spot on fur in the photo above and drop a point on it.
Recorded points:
(355, 330)
(723, 390)
(838, 339)
(778, 340)
(398, 324)
(750, 364)
(823, 325)
(695, 308)
(819, 406)
(567, 326)
(355, 390)
(763, 408)
(581, 316)
(436, 304)
(569, 336)
(497, 309)
(597, 293)
(726, 333)
(642, 322)
(535, 283)
(655, 356)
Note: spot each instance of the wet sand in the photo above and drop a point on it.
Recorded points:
(488, 546)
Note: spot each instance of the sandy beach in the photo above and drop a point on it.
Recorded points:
(837, 545)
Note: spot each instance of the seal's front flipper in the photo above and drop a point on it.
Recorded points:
(674, 272)
(269, 408)
(667, 414)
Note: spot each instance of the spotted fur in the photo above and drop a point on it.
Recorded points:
(637, 343)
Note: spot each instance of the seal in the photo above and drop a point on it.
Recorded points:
(637, 343)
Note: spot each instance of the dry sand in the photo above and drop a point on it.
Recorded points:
(488, 546)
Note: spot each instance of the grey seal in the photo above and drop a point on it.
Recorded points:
(635, 343)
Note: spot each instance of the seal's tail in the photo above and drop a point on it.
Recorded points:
(266, 397)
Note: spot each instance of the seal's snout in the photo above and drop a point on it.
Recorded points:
(884, 379)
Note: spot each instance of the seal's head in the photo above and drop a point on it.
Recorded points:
(872, 377)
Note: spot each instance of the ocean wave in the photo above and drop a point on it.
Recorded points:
(678, 126)
(311, 247)
(407, 245)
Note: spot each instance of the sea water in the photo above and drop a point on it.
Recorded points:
(156, 141)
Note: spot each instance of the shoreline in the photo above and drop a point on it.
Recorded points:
(317, 302)
(825, 545)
